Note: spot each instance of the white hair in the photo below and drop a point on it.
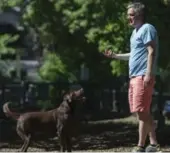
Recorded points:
(138, 8)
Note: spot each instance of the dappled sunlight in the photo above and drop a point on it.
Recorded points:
(106, 135)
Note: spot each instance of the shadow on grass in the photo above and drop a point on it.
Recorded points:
(106, 115)
(92, 136)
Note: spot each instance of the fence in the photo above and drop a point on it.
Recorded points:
(99, 97)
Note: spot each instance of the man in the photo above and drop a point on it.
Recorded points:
(142, 70)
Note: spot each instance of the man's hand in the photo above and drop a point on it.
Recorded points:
(109, 53)
(147, 80)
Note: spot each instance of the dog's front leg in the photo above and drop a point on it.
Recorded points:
(68, 142)
(27, 143)
(61, 137)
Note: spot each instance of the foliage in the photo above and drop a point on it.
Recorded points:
(4, 40)
(9, 3)
(78, 31)
(54, 69)
(5, 66)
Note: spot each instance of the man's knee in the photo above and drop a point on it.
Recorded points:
(143, 116)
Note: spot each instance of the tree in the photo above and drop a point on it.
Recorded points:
(77, 31)
(54, 70)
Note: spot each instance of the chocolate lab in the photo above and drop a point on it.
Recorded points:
(59, 120)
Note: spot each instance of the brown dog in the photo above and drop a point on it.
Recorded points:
(59, 120)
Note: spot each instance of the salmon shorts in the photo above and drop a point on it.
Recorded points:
(140, 97)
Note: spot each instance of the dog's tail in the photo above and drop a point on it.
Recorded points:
(9, 113)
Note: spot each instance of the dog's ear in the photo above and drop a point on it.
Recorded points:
(63, 92)
(67, 98)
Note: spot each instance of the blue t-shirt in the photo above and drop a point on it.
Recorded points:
(138, 50)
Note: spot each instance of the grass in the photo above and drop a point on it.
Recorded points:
(127, 135)
(113, 135)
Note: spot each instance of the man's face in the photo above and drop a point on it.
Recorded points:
(131, 16)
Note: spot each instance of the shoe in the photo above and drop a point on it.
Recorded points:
(138, 149)
(153, 148)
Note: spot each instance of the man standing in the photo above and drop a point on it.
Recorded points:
(142, 70)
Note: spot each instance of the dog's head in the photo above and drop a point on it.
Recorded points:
(74, 96)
